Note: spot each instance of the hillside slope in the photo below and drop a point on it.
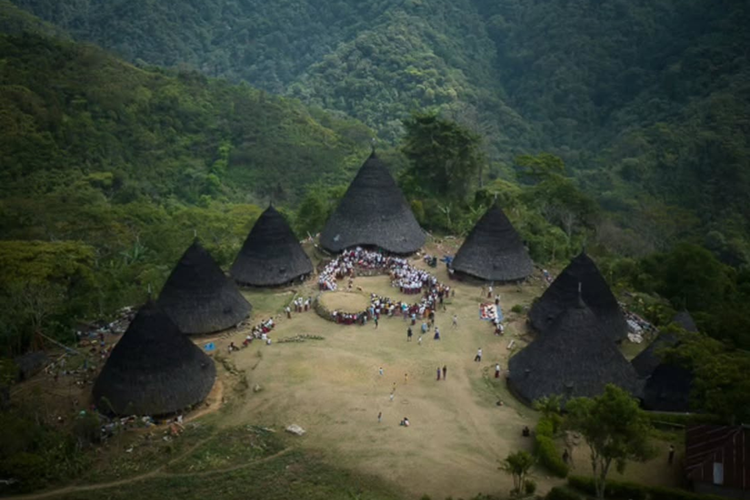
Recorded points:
(647, 101)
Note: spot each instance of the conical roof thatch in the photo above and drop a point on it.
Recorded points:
(199, 298)
(667, 385)
(373, 212)
(685, 321)
(271, 254)
(562, 294)
(573, 358)
(154, 369)
(493, 251)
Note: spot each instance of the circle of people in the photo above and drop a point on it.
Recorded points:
(409, 280)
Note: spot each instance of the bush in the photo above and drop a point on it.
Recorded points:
(546, 452)
(559, 493)
(632, 491)
(529, 487)
(518, 309)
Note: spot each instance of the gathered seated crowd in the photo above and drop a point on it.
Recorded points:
(408, 279)
(259, 331)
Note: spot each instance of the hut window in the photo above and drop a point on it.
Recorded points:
(718, 473)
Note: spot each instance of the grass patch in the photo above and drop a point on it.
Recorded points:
(131, 454)
(229, 448)
(290, 476)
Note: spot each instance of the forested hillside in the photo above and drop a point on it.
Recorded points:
(113, 170)
(647, 101)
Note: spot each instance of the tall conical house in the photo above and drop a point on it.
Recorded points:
(493, 251)
(667, 385)
(574, 358)
(271, 254)
(373, 213)
(154, 369)
(199, 297)
(562, 294)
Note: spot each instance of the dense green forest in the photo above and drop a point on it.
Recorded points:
(646, 101)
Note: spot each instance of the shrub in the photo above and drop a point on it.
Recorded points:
(518, 309)
(632, 491)
(545, 428)
(529, 487)
(559, 493)
(661, 493)
(546, 452)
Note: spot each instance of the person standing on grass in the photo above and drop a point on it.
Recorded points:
(288, 312)
(380, 416)
(406, 378)
(376, 321)
(419, 340)
(445, 372)
(497, 370)
(409, 334)
(478, 357)
(381, 371)
(424, 327)
(671, 454)
(438, 373)
(455, 321)
(437, 334)
(489, 292)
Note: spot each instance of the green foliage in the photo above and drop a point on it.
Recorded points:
(632, 491)
(518, 465)
(549, 407)
(444, 158)
(545, 449)
(615, 429)
(529, 487)
(560, 493)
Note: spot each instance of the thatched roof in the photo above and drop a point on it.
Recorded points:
(562, 294)
(573, 358)
(154, 369)
(199, 298)
(271, 254)
(493, 251)
(373, 212)
(650, 358)
(668, 389)
(667, 386)
(685, 321)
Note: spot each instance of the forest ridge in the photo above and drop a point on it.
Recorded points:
(647, 101)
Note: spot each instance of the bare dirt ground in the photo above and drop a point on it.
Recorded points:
(333, 389)
(348, 302)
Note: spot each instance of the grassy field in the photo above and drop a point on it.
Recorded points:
(333, 389)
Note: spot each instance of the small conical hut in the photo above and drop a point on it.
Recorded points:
(574, 358)
(373, 213)
(562, 294)
(154, 369)
(667, 385)
(199, 297)
(271, 254)
(493, 251)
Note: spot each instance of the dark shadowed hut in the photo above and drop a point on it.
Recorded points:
(271, 254)
(154, 369)
(373, 213)
(573, 358)
(199, 297)
(562, 294)
(493, 251)
(667, 385)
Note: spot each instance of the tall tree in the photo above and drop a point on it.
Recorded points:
(615, 429)
(518, 465)
(444, 157)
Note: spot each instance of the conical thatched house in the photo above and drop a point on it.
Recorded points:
(493, 251)
(573, 358)
(667, 386)
(199, 298)
(154, 369)
(562, 294)
(271, 254)
(373, 213)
